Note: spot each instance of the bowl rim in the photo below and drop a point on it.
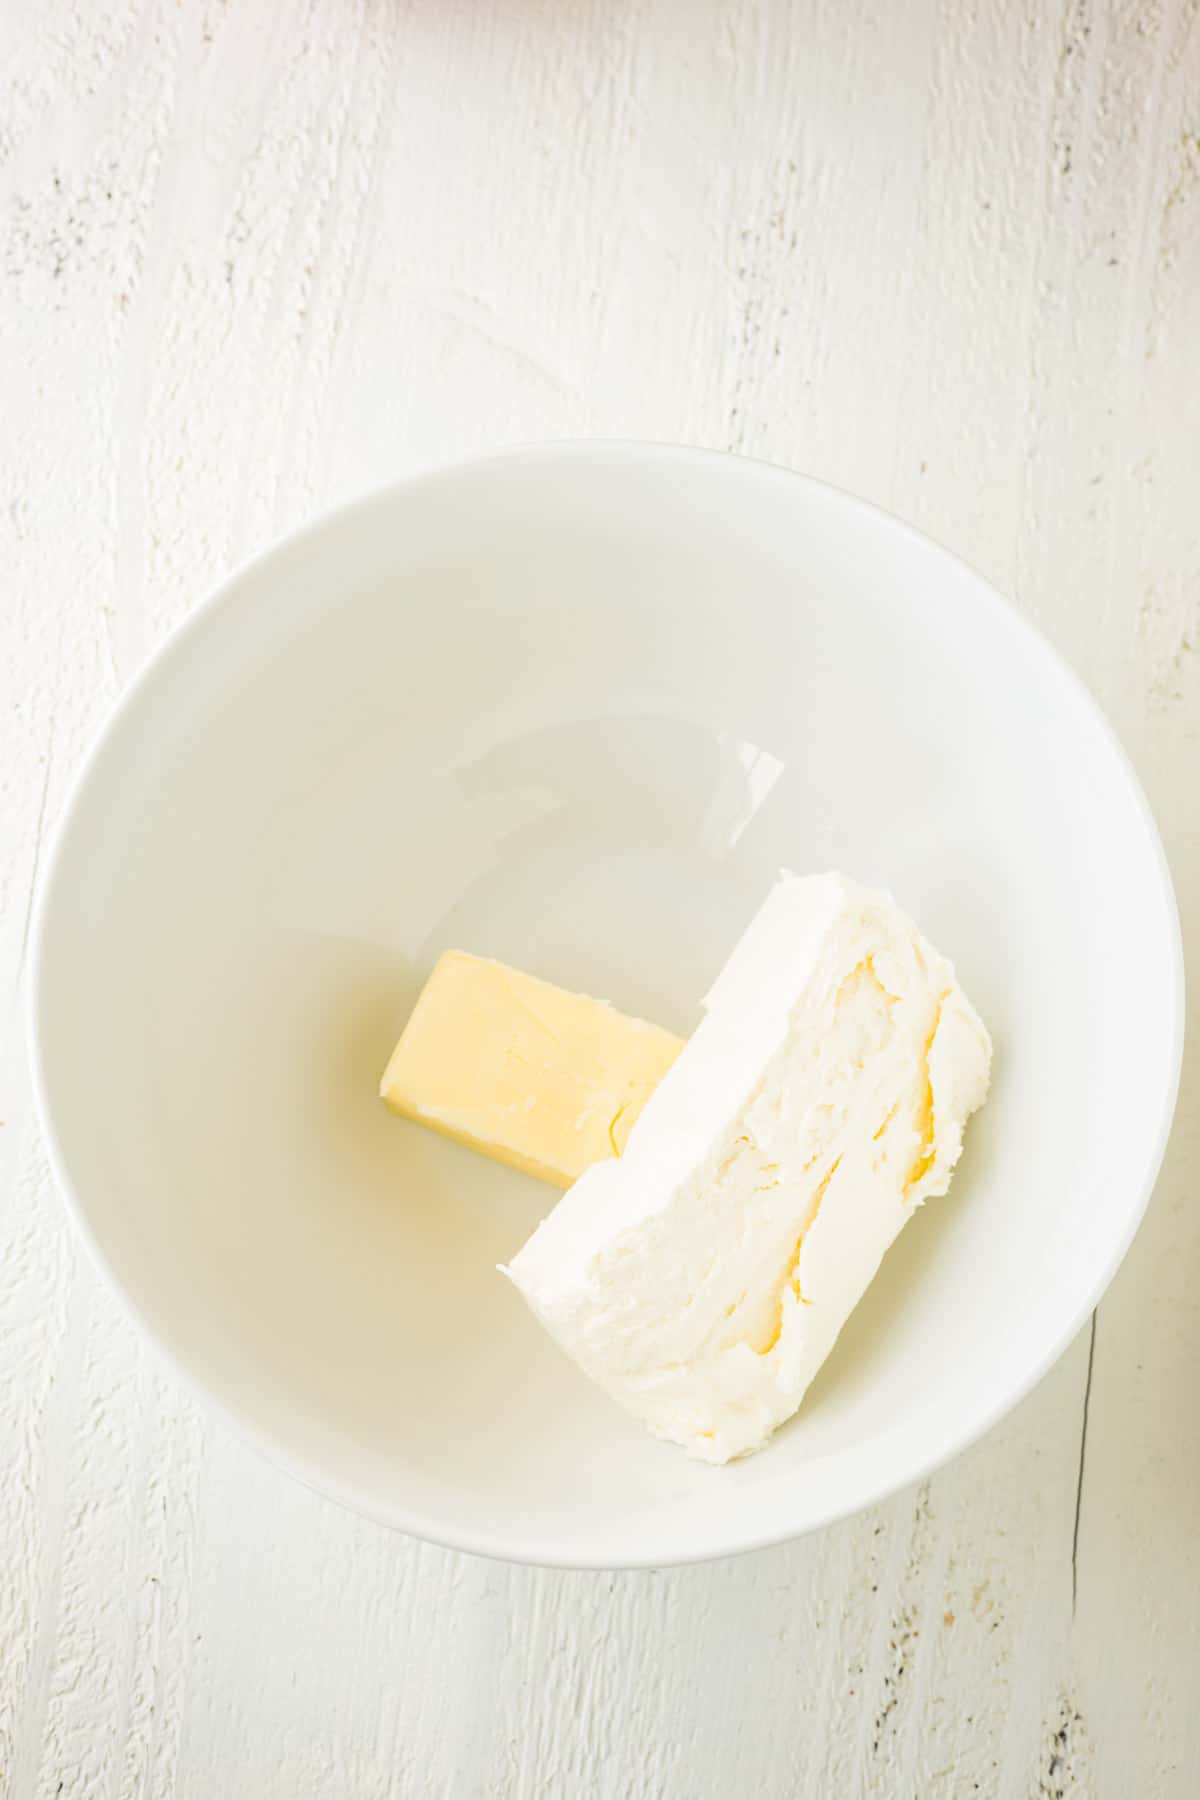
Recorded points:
(271, 1444)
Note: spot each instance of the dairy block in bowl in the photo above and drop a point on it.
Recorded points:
(703, 1275)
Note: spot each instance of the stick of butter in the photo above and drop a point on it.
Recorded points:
(546, 1081)
(703, 1278)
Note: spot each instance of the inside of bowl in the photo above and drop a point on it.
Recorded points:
(575, 711)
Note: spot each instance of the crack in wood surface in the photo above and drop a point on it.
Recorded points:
(1083, 1431)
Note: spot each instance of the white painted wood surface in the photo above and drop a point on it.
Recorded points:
(257, 254)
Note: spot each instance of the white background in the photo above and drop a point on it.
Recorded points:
(258, 254)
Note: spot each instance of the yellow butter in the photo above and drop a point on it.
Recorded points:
(547, 1081)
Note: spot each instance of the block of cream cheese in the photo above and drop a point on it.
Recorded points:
(703, 1278)
(544, 1080)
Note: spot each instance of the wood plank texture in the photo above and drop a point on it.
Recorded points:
(258, 254)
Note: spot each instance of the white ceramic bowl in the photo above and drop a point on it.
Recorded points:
(573, 707)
